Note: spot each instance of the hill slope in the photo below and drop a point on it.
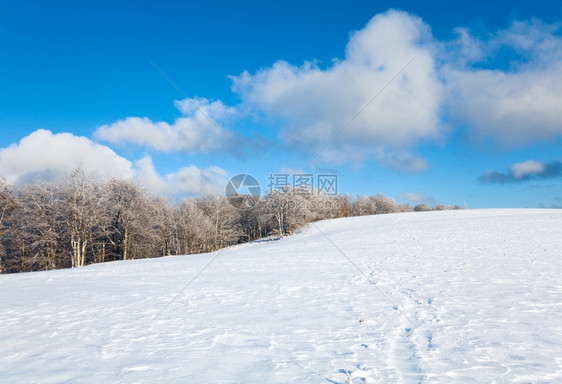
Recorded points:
(478, 298)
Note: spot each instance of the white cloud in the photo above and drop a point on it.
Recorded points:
(518, 105)
(416, 198)
(188, 181)
(448, 84)
(192, 180)
(313, 104)
(464, 50)
(520, 170)
(148, 177)
(45, 156)
(515, 105)
(506, 86)
(525, 171)
(193, 133)
(402, 161)
(512, 108)
(533, 40)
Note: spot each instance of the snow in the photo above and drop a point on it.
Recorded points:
(478, 299)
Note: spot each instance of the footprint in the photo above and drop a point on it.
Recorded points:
(430, 346)
(406, 356)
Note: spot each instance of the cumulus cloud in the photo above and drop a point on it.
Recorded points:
(192, 133)
(45, 156)
(528, 170)
(312, 104)
(188, 181)
(513, 106)
(506, 86)
(449, 83)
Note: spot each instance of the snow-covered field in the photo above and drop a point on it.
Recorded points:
(478, 296)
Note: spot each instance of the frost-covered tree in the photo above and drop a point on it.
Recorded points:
(422, 208)
(82, 210)
(224, 218)
(38, 231)
(194, 228)
(382, 204)
(84, 220)
(164, 223)
(7, 206)
(125, 206)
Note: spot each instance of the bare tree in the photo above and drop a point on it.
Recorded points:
(278, 206)
(382, 204)
(83, 220)
(123, 200)
(164, 223)
(82, 211)
(256, 221)
(134, 221)
(38, 228)
(224, 218)
(194, 228)
(422, 207)
(7, 206)
(291, 208)
(344, 205)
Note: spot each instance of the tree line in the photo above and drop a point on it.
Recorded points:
(83, 220)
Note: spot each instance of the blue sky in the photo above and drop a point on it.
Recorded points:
(473, 115)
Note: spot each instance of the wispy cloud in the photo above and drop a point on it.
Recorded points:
(402, 161)
(516, 105)
(528, 170)
(416, 198)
